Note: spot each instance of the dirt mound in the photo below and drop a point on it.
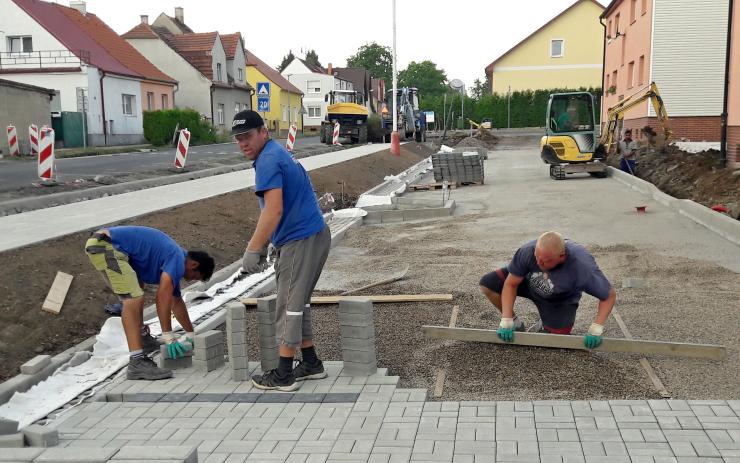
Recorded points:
(217, 225)
(690, 176)
(483, 138)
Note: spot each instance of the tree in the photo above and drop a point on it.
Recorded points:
(481, 89)
(286, 61)
(425, 76)
(313, 58)
(377, 59)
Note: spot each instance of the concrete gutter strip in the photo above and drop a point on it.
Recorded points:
(721, 224)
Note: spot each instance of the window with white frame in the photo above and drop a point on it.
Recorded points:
(165, 101)
(314, 111)
(129, 104)
(313, 86)
(285, 112)
(150, 101)
(20, 44)
(557, 48)
(240, 74)
(220, 114)
(218, 72)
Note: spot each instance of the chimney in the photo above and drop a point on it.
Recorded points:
(330, 70)
(179, 14)
(144, 19)
(79, 5)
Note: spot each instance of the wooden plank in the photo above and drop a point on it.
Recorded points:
(675, 349)
(375, 299)
(57, 293)
(657, 383)
(453, 316)
(439, 384)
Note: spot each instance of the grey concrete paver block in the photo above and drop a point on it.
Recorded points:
(70, 454)
(36, 364)
(184, 454)
(11, 440)
(8, 426)
(208, 339)
(20, 455)
(40, 436)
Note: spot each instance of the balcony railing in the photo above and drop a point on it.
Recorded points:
(44, 59)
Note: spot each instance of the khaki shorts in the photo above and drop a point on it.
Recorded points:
(114, 267)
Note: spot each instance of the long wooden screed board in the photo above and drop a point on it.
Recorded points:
(376, 299)
(674, 349)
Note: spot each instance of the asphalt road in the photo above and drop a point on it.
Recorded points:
(16, 174)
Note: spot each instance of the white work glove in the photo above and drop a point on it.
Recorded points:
(254, 261)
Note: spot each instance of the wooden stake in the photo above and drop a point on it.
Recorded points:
(657, 383)
(675, 349)
(375, 299)
(439, 385)
(57, 293)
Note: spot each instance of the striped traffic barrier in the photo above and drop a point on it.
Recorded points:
(33, 139)
(13, 141)
(46, 154)
(183, 144)
(335, 136)
(290, 142)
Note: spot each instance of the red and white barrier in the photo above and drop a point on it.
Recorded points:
(335, 136)
(183, 144)
(46, 154)
(33, 139)
(290, 142)
(13, 141)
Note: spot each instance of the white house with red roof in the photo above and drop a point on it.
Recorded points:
(91, 68)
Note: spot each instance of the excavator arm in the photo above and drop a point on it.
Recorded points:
(615, 114)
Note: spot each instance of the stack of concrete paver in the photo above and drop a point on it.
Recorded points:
(236, 339)
(168, 363)
(266, 312)
(209, 350)
(357, 331)
(33, 435)
(458, 166)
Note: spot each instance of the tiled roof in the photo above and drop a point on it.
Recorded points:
(312, 67)
(123, 51)
(141, 31)
(270, 73)
(230, 43)
(108, 51)
(181, 25)
(196, 48)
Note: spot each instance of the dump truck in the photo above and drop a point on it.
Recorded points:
(346, 108)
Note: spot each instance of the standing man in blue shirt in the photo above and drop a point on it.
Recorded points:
(552, 273)
(129, 257)
(291, 220)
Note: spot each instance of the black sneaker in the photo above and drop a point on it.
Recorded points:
(270, 381)
(144, 368)
(149, 343)
(304, 371)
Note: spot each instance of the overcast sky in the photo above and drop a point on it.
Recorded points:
(461, 36)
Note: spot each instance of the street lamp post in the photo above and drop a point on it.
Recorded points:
(395, 137)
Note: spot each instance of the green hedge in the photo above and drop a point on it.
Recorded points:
(528, 108)
(160, 125)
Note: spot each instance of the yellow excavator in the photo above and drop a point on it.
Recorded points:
(346, 108)
(570, 144)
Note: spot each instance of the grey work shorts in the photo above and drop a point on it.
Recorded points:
(297, 270)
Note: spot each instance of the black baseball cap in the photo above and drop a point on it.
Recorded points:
(245, 121)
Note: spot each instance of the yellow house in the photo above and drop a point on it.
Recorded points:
(564, 53)
(286, 101)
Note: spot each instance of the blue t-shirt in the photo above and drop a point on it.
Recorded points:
(566, 282)
(276, 168)
(150, 252)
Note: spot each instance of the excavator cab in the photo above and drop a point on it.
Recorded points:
(570, 136)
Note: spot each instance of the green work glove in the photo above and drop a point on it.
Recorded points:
(176, 347)
(592, 340)
(505, 329)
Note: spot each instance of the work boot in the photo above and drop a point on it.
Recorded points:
(144, 368)
(270, 381)
(149, 344)
(304, 371)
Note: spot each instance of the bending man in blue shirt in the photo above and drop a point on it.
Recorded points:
(128, 258)
(552, 273)
(291, 220)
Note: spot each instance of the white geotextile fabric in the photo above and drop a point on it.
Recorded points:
(350, 213)
(697, 146)
(110, 354)
(373, 200)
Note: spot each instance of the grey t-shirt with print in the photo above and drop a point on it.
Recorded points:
(566, 282)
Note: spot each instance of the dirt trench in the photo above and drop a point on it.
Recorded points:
(219, 225)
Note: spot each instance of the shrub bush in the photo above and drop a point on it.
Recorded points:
(160, 125)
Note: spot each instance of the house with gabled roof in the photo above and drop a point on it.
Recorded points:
(201, 64)
(316, 82)
(286, 100)
(90, 67)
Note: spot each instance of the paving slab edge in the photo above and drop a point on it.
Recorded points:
(720, 224)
